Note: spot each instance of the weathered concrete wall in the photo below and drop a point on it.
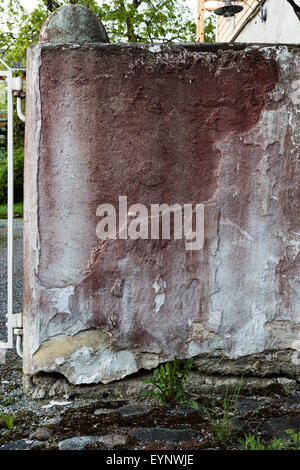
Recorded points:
(217, 125)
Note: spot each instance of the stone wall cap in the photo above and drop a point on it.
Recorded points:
(73, 24)
(174, 47)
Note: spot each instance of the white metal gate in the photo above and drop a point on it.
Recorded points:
(14, 320)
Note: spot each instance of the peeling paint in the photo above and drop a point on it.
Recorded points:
(160, 294)
(61, 298)
(215, 125)
(155, 48)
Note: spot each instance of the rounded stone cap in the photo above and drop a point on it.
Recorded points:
(73, 24)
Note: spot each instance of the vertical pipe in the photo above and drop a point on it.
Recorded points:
(10, 209)
(200, 20)
(217, 26)
(21, 115)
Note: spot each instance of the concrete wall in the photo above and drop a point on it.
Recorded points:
(281, 26)
(216, 125)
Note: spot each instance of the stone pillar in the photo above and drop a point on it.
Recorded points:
(212, 125)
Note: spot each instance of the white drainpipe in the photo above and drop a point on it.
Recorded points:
(17, 89)
(14, 321)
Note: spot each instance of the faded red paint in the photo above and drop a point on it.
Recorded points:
(184, 125)
(148, 129)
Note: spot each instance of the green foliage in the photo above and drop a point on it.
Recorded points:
(275, 444)
(210, 28)
(18, 176)
(18, 210)
(223, 423)
(146, 20)
(294, 438)
(253, 442)
(168, 383)
(19, 28)
(8, 420)
(125, 20)
(8, 401)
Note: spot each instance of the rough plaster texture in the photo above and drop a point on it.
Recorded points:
(217, 125)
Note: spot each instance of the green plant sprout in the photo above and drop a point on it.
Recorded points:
(9, 420)
(253, 442)
(223, 424)
(294, 437)
(168, 383)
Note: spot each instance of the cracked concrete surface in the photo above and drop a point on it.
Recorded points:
(215, 125)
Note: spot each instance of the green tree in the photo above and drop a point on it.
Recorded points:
(18, 176)
(210, 28)
(125, 20)
(147, 20)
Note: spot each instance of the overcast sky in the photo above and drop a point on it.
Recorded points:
(29, 4)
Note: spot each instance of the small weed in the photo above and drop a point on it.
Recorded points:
(53, 442)
(294, 438)
(168, 383)
(276, 444)
(8, 401)
(223, 424)
(9, 420)
(253, 442)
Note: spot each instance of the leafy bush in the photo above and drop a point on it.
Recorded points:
(18, 176)
(168, 383)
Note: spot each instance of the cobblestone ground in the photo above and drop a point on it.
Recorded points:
(80, 423)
